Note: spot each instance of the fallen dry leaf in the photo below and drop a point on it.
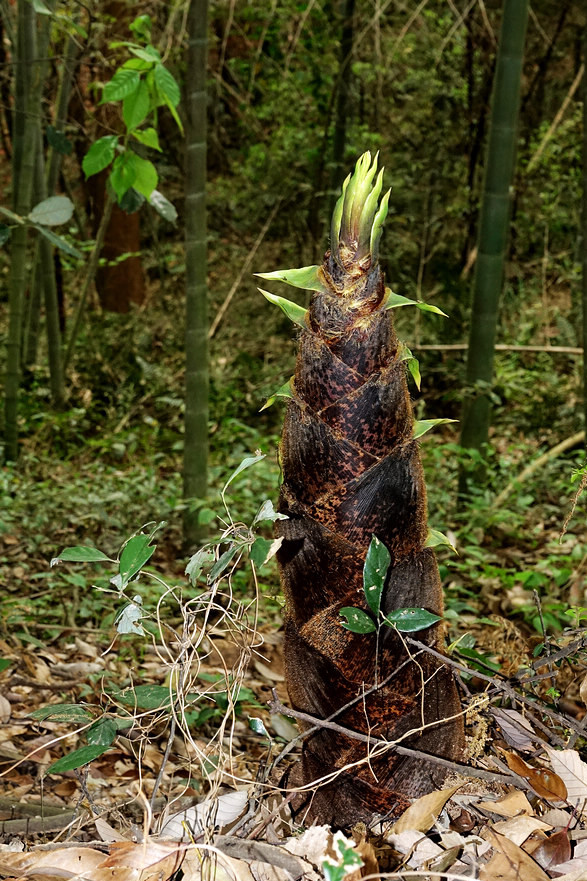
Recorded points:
(213, 812)
(518, 829)
(546, 784)
(64, 862)
(509, 806)
(423, 813)
(514, 727)
(509, 862)
(553, 850)
(572, 770)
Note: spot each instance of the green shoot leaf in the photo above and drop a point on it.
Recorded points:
(309, 278)
(395, 301)
(374, 572)
(421, 426)
(411, 620)
(295, 313)
(437, 539)
(357, 621)
(285, 391)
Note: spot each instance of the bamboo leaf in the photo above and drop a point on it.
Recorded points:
(421, 426)
(295, 313)
(81, 554)
(102, 732)
(58, 241)
(411, 620)
(357, 620)
(77, 759)
(428, 307)
(246, 463)
(374, 572)
(437, 539)
(395, 301)
(308, 277)
(284, 391)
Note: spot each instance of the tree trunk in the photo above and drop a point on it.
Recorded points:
(351, 471)
(494, 223)
(195, 463)
(584, 227)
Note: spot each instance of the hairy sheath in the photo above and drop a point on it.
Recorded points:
(352, 471)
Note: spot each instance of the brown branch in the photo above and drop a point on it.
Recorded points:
(277, 707)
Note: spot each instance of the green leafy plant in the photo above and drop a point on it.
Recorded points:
(142, 85)
(377, 563)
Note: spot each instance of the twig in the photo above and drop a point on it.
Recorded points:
(556, 121)
(500, 347)
(534, 466)
(244, 268)
(277, 707)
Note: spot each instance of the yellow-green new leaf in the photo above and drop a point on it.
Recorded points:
(438, 539)
(394, 301)
(308, 277)
(284, 391)
(294, 312)
(421, 426)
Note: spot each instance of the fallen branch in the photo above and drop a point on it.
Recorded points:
(537, 464)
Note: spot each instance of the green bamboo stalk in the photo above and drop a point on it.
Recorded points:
(494, 223)
(23, 181)
(584, 226)
(195, 461)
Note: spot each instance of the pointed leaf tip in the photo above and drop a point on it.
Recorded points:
(294, 312)
(307, 278)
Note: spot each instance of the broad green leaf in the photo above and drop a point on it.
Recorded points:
(77, 759)
(5, 664)
(62, 713)
(357, 620)
(100, 155)
(197, 562)
(128, 619)
(295, 313)
(246, 463)
(285, 391)
(141, 27)
(145, 174)
(58, 241)
(309, 278)
(263, 549)
(58, 141)
(163, 206)
(136, 552)
(122, 176)
(438, 539)
(131, 201)
(148, 137)
(138, 64)
(102, 732)
(81, 554)
(136, 106)
(268, 512)
(52, 211)
(167, 85)
(411, 620)
(123, 83)
(421, 426)
(374, 572)
(145, 697)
